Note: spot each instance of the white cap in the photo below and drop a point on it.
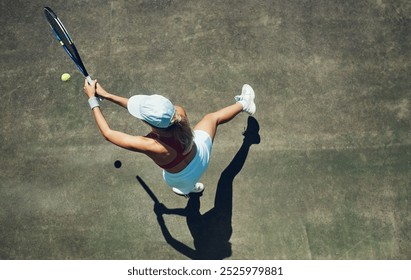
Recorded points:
(154, 109)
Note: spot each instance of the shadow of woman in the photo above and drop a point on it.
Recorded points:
(212, 230)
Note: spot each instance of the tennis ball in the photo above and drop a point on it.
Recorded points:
(65, 77)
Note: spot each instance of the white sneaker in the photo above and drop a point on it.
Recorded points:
(198, 188)
(247, 95)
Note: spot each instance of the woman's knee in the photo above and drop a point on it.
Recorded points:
(208, 124)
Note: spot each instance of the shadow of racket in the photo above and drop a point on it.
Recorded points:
(148, 190)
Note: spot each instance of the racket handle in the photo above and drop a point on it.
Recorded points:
(89, 81)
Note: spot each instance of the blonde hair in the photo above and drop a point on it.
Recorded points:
(182, 132)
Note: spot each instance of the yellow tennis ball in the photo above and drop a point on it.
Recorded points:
(65, 77)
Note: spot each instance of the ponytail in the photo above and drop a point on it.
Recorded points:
(182, 132)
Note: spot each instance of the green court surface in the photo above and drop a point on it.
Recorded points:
(329, 178)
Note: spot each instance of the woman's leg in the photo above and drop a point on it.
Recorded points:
(210, 121)
(245, 102)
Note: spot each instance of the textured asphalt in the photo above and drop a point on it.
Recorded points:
(328, 177)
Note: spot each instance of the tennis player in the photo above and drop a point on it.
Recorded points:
(182, 153)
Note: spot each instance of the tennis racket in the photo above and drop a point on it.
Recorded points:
(65, 40)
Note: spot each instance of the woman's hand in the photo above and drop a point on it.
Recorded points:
(90, 90)
(101, 91)
(95, 89)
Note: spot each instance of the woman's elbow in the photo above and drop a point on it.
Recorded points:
(107, 134)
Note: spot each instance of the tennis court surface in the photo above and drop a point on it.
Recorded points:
(329, 178)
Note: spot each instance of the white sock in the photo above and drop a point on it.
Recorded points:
(244, 103)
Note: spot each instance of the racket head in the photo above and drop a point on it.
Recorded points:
(64, 38)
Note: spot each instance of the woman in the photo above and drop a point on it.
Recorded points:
(181, 152)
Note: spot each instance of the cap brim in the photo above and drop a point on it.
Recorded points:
(133, 105)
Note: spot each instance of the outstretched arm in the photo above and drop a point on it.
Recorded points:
(123, 140)
(122, 101)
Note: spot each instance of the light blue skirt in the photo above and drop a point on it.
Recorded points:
(186, 179)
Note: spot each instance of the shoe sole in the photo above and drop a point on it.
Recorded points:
(252, 107)
(180, 193)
